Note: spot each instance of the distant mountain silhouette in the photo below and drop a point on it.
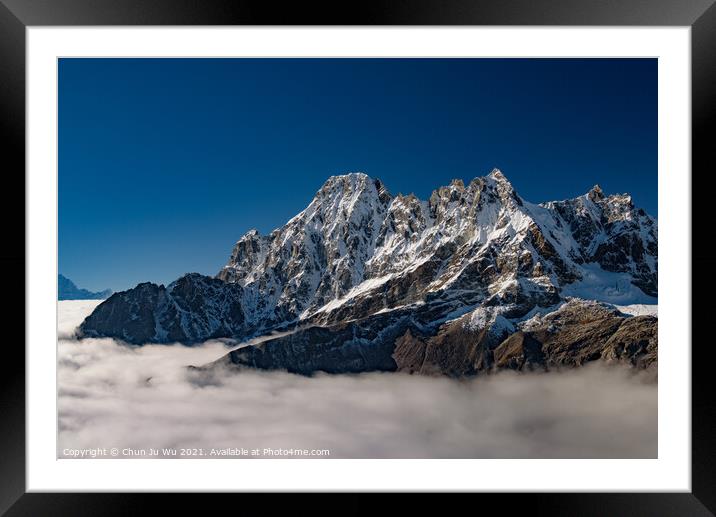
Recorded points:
(67, 290)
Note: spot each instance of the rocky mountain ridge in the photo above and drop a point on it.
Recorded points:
(357, 255)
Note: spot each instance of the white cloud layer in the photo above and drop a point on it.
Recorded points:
(111, 395)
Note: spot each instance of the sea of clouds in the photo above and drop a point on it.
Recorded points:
(114, 396)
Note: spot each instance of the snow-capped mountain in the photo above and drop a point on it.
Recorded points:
(358, 252)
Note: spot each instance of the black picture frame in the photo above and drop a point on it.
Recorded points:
(17, 15)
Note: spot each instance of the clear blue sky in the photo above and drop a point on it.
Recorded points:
(165, 163)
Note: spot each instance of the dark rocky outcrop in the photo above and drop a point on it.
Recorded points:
(577, 333)
(635, 342)
(192, 309)
(346, 348)
(580, 332)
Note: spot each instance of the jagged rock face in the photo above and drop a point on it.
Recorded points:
(480, 342)
(613, 233)
(191, 309)
(318, 256)
(357, 251)
(345, 348)
(634, 343)
(580, 332)
(126, 315)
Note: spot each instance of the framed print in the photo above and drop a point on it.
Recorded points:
(426, 248)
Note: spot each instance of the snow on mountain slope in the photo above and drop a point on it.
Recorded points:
(639, 309)
(607, 286)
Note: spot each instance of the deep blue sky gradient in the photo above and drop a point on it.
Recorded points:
(165, 163)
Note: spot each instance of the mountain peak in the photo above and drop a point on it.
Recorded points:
(497, 175)
(354, 183)
(251, 234)
(500, 180)
(502, 185)
(347, 177)
(350, 181)
(596, 193)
